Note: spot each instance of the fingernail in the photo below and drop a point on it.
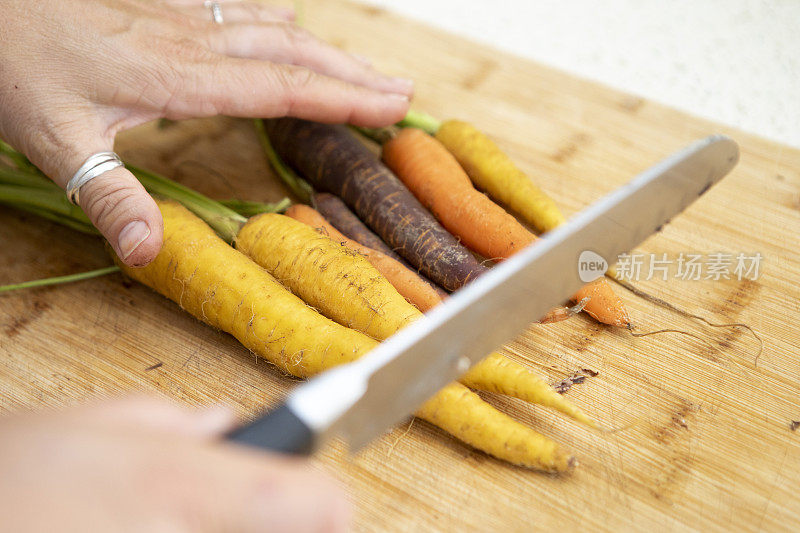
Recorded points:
(397, 96)
(131, 236)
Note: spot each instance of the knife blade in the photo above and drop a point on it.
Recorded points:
(361, 400)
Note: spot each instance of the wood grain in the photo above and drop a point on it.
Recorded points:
(709, 445)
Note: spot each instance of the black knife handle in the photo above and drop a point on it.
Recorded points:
(278, 431)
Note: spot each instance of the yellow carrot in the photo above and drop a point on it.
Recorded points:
(492, 171)
(503, 376)
(344, 286)
(225, 289)
(408, 283)
(499, 433)
(313, 266)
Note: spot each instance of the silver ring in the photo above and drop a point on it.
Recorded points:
(95, 165)
(216, 10)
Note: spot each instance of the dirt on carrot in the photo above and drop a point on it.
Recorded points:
(576, 378)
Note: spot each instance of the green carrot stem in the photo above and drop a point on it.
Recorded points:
(59, 219)
(299, 187)
(423, 121)
(26, 178)
(19, 160)
(37, 194)
(59, 280)
(250, 209)
(226, 222)
(379, 135)
(33, 192)
(52, 200)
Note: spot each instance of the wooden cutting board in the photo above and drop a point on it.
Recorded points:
(709, 445)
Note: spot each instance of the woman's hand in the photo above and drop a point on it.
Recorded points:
(73, 73)
(144, 465)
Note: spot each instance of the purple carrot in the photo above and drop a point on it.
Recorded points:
(333, 160)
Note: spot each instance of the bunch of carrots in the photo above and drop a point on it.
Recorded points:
(422, 201)
(316, 287)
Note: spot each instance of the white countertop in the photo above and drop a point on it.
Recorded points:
(732, 61)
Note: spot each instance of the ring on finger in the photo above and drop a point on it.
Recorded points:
(94, 166)
(216, 10)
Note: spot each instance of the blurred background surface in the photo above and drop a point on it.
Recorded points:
(732, 61)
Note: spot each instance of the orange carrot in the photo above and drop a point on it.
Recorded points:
(437, 180)
(338, 215)
(412, 287)
(435, 177)
(493, 171)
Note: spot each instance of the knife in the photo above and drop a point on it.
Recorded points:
(361, 400)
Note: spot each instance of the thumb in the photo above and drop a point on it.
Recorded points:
(125, 214)
(115, 201)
